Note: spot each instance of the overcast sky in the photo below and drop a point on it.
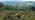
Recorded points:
(16, 0)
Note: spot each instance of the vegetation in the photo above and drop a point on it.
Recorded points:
(1, 4)
(9, 12)
(17, 16)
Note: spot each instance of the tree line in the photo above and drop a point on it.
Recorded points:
(7, 7)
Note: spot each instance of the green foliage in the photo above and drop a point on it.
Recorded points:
(7, 8)
(10, 7)
(22, 9)
(15, 8)
(1, 4)
(33, 8)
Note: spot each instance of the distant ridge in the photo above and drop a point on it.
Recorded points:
(18, 2)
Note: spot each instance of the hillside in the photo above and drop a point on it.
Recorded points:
(16, 15)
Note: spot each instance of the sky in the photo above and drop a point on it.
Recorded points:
(16, 0)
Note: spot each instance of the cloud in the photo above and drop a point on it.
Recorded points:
(9, 0)
(17, 0)
(27, 0)
(33, 0)
(5, 0)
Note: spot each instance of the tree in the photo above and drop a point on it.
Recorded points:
(33, 8)
(22, 8)
(7, 7)
(1, 4)
(16, 7)
(30, 6)
(11, 8)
